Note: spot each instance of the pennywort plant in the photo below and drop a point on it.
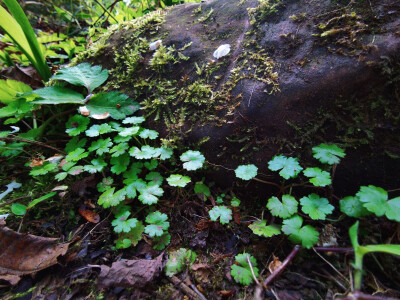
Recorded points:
(108, 140)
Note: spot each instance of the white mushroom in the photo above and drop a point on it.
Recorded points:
(222, 51)
(154, 45)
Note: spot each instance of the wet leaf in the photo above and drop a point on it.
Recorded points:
(130, 273)
(89, 215)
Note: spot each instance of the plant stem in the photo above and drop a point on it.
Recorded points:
(282, 267)
(268, 182)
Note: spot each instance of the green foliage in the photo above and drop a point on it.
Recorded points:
(202, 189)
(222, 212)
(178, 260)
(57, 95)
(178, 180)
(148, 195)
(109, 198)
(375, 200)
(262, 229)
(318, 177)
(158, 224)
(289, 166)
(83, 75)
(235, 202)
(9, 89)
(131, 238)
(246, 172)
(122, 223)
(317, 208)
(306, 235)
(76, 125)
(18, 209)
(193, 160)
(241, 271)
(283, 209)
(18, 28)
(353, 207)
(328, 154)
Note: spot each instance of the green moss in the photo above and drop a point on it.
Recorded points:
(263, 10)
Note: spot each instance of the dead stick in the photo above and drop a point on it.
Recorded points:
(252, 271)
(188, 291)
(282, 267)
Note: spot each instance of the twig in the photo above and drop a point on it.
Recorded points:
(32, 142)
(282, 267)
(252, 271)
(336, 270)
(357, 295)
(106, 10)
(184, 288)
(334, 249)
(268, 182)
(13, 200)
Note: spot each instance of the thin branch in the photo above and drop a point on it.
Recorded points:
(282, 267)
(336, 270)
(32, 142)
(268, 182)
(252, 271)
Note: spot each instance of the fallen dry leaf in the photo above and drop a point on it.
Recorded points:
(202, 272)
(274, 264)
(25, 253)
(89, 215)
(36, 162)
(130, 273)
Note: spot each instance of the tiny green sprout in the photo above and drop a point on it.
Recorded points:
(178, 260)
(289, 166)
(318, 177)
(284, 209)
(193, 160)
(241, 271)
(222, 212)
(178, 180)
(317, 208)
(262, 229)
(328, 154)
(246, 172)
(235, 202)
(122, 223)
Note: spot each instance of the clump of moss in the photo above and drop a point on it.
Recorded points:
(263, 10)
(162, 57)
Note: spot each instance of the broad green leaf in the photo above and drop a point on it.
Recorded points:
(179, 259)
(148, 134)
(160, 242)
(222, 212)
(155, 177)
(151, 165)
(149, 195)
(201, 188)
(133, 120)
(43, 169)
(262, 229)
(131, 238)
(193, 160)
(96, 166)
(83, 74)
(317, 208)
(135, 169)
(145, 152)
(307, 235)
(246, 172)
(18, 209)
(17, 108)
(157, 224)
(122, 223)
(318, 177)
(374, 199)
(101, 146)
(76, 155)
(328, 153)
(119, 149)
(116, 104)
(120, 164)
(283, 209)
(178, 180)
(135, 186)
(75, 143)
(241, 271)
(163, 152)
(109, 198)
(77, 124)
(289, 166)
(10, 88)
(353, 207)
(57, 95)
(393, 209)
(96, 130)
(129, 131)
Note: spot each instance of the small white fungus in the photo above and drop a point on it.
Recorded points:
(154, 45)
(222, 51)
